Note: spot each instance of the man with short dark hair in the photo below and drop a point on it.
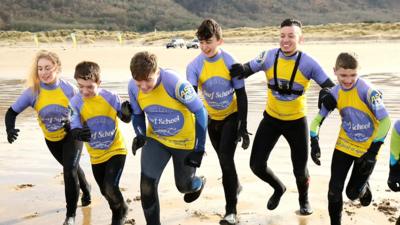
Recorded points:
(288, 72)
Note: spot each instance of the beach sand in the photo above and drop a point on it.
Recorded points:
(31, 182)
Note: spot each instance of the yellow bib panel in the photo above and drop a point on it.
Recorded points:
(286, 107)
(217, 89)
(359, 124)
(52, 109)
(106, 139)
(170, 122)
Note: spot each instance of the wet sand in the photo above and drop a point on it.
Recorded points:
(31, 181)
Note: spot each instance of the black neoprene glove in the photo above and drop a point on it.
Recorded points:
(394, 177)
(66, 125)
(10, 118)
(137, 143)
(194, 158)
(126, 112)
(367, 160)
(315, 150)
(12, 135)
(240, 71)
(81, 134)
(327, 99)
(242, 133)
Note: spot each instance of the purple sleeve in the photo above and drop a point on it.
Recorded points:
(27, 99)
(259, 63)
(69, 89)
(375, 103)
(76, 105)
(112, 98)
(312, 70)
(229, 60)
(133, 93)
(181, 90)
(372, 98)
(193, 71)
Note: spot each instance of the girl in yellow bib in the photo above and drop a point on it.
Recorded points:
(365, 123)
(94, 121)
(50, 95)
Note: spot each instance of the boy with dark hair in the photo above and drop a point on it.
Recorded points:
(365, 123)
(177, 123)
(94, 121)
(289, 72)
(226, 102)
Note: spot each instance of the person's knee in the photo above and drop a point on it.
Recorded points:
(258, 167)
(352, 193)
(334, 197)
(110, 191)
(147, 191)
(302, 178)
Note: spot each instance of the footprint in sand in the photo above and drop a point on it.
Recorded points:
(23, 186)
(386, 206)
(35, 214)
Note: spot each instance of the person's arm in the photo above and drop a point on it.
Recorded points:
(242, 105)
(241, 71)
(138, 118)
(78, 131)
(394, 166)
(10, 119)
(375, 104)
(195, 157)
(26, 99)
(314, 135)
(125, 114)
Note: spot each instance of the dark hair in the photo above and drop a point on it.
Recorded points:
(207, 29)
(347, 60)
(87, 70)
(291, 22)
(142, 65)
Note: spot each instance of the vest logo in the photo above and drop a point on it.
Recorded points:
(53, 116)
(375, 100)
(185, 92)
(103, 131)
(261, 57)
(218, 92)
(357, 124)
(164, 121)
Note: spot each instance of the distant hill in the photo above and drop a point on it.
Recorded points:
(169, 15)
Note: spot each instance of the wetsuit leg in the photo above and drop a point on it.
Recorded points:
(296, 133)
(69, 159)
(72, 150)
(358, 185)
(223, 135)
(267, 135)
(154, 158)
(341, 163)
(108, 175)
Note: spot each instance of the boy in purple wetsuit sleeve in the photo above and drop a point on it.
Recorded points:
(94, 121)
(365, 124)
(177, 123)
(226, 102)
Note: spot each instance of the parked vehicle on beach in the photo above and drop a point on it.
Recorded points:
(176, 42)
(193, 44)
